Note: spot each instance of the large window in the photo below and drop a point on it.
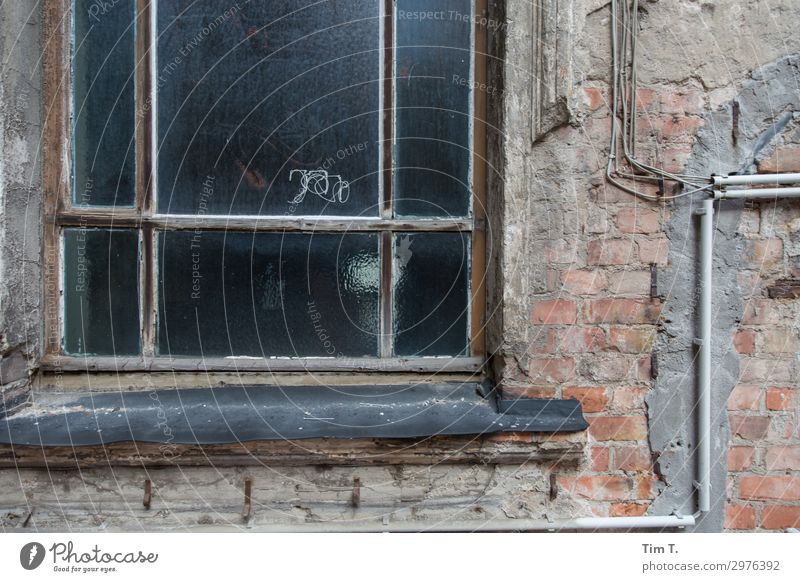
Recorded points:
(278, 184)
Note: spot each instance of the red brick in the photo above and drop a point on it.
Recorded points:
(630, 340)
(554, 311)
(780, 516)
(552, 370)
(763, 253)
(611, 252)
(592, 399)
(626, 311)
(608, 367)
(682, 100)
(632, 459)
(740, 458)
(644, 369)
(629, 283)
(628, 399)
(594, 98)
(783, 160)
(653, 251)
(740, 517)
(579, 282)
(780, 398)
(761, 369)
(761, 312)
(769, 487)
(600, 459)
(778, 340)
(628, 509)
(783, 458)
(677, 127)
(512, 392)
(618, 428)
(543, 339)
(579, 340)
(600, 487)
(749, 427)
(644, 97)
(744, 341)
(639, 220)
(645, 487)
(744, 397)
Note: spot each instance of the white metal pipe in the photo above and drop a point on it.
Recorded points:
(492, 525)
(704, 337)
(748, 179)
(758, 193)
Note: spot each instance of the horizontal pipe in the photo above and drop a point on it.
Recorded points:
(749, 179)
(758, 193)
(500, 525)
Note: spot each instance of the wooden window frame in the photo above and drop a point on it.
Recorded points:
(60, 213)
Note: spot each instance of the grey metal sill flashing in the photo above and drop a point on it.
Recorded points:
(251, 413)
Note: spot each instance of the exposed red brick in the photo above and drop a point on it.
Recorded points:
(776, 340)
(740, 517)
(632, 459)
(761, 312)
(608, 367)
(740, 458)
(644, 97)
(554, 311)
(644, 369)
(600, 459)
(681, 100)
(783, 458)
(785, 159)
(627, 509)
(630, 283)
(618, 428)
(749, 427)
(610, 252)
(676, 127)
(744, 341)
(631, 340)
(582, 282)
(638, 220)
(543, 339)
(653, 251)
(628, 399)
(645, 487)
(591, 398)
(512, 392)
(594, 98)
(780, 517)
(763, 253)
(759, 369)
(780, 398)
(744, 397)
(599, 487)
(578, 340)
(551, 370)
(769, 487)
(626, 311)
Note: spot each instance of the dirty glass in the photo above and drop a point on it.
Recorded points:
(101, 290)
(277, 103)
(433, 80)
(431, 287)
(267, 294)
(103, 64)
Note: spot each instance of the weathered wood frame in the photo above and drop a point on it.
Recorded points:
(60, 213)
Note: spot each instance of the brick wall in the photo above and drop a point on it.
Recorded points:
(764, 408)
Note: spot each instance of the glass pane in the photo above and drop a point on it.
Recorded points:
(268, 294)
(274, 103)
(434, 94)
(431, 286)
(101, 292)
(103, 65)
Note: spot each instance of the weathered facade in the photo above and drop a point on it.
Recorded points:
(592, 294)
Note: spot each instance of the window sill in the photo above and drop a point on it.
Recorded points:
(352, 425)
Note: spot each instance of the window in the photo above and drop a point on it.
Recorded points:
(293, 184)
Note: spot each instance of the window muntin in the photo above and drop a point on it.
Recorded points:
(435, 227)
